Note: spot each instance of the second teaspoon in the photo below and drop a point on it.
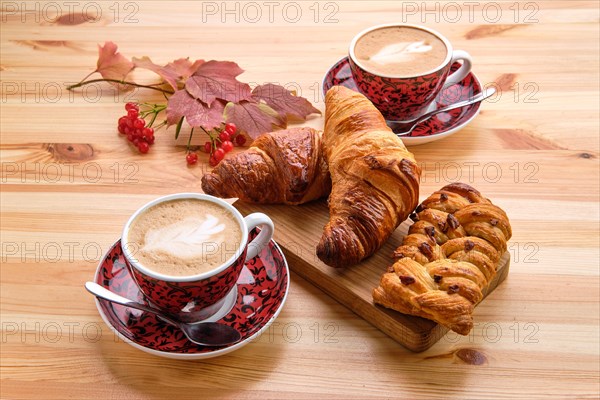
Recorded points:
(405, 128)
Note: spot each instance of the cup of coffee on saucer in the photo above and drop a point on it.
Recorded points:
(186, 251)
(402, 68)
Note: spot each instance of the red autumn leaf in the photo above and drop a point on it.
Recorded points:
(216, 80)
(168, 75)
(253, 118)
(173, 72)
(196, 113)
(183, 67)
(112, 64)
(283, 101)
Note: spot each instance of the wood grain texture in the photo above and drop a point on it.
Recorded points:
(69, 183)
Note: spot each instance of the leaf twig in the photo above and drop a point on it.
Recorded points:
(84, 82)
(178, 129)
(190, 139)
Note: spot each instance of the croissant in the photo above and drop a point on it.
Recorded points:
(285, 167)
(375, 180)
(450, 254)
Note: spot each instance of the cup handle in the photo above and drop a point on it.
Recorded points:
(464, 69)
(263, 238)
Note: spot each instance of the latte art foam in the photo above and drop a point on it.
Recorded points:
(400, 51)
(184, 237)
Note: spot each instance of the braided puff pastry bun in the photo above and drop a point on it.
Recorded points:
(375, 180)
(450, 254)
(283, 167)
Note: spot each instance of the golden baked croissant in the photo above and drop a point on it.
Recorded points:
(375, 180)
(286, 167)
(450, 254)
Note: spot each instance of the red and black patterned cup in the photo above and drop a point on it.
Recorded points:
(197, 297)
(405, 98)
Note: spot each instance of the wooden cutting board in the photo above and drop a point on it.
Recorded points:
(298, 230)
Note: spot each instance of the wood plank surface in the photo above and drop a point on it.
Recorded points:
(69, 182)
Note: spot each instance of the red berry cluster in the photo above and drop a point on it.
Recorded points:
(134, 128)
(218, 146)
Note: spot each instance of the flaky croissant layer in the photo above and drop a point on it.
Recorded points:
(450, 254)
(375, 180)
(282, 167)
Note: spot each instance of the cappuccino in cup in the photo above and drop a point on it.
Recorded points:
(184, 237)
(400, 51)
(402, 68)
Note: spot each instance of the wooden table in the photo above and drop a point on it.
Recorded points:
(69, 182)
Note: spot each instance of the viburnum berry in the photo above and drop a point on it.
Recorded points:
(230, 128)
(133, 126)
(220, 143)
(133, 114)
(224, 136)
(191, 158)
(240, 140)
(132, 106)
(147, 132)
(139, 123)
(143, 147)
(227, 146)
(218, 155)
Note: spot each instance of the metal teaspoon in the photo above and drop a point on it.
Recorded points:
(405, 128)
(202, 333)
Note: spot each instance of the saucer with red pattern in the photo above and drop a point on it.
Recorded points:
(435, 128)
(251, 306)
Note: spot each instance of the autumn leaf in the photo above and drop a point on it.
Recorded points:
(216, 80)
(196, 113)
(253, 118)
(283, 101)
(112, 64)
(206, 93)
(168, 75)
(183, 67)
(173, 72)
